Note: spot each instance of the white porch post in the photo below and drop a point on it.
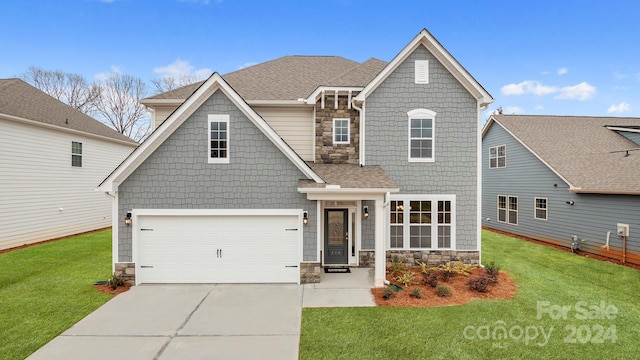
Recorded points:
(380, 256)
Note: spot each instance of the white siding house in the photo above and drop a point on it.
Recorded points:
(51, 159)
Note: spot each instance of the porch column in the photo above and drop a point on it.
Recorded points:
(380, 255)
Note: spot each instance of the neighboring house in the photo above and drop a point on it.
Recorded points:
(51, 157)
(270, 173)
(555, 177)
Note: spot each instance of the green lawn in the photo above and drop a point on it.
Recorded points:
(47, 288)
(547, 280)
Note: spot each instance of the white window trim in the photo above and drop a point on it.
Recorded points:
(406, 199)
(80, 155)
(333, 131)
(506, 208)
(422, 65)
(497, 157)
(218, 118)
(536, 208)
(509, 197)
(422, 114)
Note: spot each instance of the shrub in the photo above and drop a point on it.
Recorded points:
(458, 268)
(430, 279)
(443, 291)
(396, 266)
(492, 271)
(389, 291)
(446, 275)
(416, 293)
(480, 283)
(115, 281)
(406, 277)
(423, 267)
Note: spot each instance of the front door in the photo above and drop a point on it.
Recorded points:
(336, 236)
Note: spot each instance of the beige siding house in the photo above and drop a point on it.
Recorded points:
(51, 159)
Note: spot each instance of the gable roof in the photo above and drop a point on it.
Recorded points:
(582, 151)
(288, 78)
(214, 83)
(20, 101)
(424, 38)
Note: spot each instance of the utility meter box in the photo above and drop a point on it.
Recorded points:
(623, 229)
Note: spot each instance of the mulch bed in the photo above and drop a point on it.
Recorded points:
(108, 290)
(460, 292)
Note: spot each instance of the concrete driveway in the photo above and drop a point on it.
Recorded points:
(187, 322)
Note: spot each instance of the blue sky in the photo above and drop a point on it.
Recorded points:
(535, 57)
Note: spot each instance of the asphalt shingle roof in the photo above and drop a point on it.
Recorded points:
(290, 77)
(581, 149)
(17, 98)
(350, 177)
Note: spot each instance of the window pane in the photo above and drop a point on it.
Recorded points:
(492, 163)
(513, 203)
(396, 237)
(501, 150)
(501, 162)
(444, 236)
(492, 152)
(513, 217)
(502, 215)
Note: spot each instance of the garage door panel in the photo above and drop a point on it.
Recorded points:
(218, 249)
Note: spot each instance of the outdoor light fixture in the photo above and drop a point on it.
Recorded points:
(570, 202)
(127, 219)
(365, 212)
(305, 218)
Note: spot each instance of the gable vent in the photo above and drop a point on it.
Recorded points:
(422, 71)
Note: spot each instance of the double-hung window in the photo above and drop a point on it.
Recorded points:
(76, 154)
(421, 135)
(341, 131)
(540, 211)
(218, 138)
(508, 209)
(497, 156)
(419, 222)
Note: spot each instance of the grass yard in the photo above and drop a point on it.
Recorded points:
(46, 288)
(599, 300)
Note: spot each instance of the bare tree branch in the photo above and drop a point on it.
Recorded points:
(168, 83)
(69, 88)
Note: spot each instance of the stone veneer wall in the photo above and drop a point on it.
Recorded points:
(127, 271)
(411, 258)
(326, 151)
(310, 273)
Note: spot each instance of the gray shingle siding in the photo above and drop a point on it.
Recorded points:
(178, 176)
(456, 134)
(368, 226)
(525, 176)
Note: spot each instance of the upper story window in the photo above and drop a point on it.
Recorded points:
(341, 133)
(498, 156)
(421, 135)
(76, 154)
(218, 139)
(422, 72)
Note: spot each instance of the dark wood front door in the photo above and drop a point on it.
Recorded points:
(336, 236)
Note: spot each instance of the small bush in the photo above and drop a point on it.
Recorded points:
(480, 283)
(492, 271)
(416, 293)
(396, 266)
(423, 267)
(406, 277)
(389, 292)
(115, 281)
(443, 291)
(446, 275)
(430, 279)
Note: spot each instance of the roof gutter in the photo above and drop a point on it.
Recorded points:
(604, 192)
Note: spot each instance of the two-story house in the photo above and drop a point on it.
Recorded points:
(269, 173)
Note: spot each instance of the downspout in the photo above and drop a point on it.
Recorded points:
(361, 116)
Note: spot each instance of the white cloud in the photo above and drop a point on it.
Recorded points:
(512, 110)
(527, 87)
(247, 64)
(562, 71)
(582, 91)
(622, 107)
(102, 76)
(182, 69)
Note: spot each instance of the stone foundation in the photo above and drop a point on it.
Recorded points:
(410, 258)
(310, 273)
(367, 258)
(127, 271)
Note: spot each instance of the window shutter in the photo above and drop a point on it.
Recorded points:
(422, 71)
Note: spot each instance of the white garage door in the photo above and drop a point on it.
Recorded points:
(217, 248)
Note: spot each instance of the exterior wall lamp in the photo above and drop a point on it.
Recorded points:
(365, 212)
(570, 202)
(305, 218)
(127, 219)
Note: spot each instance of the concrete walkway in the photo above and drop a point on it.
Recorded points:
(242, 321)
(187, 322)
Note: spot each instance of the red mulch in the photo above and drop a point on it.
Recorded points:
(108, 290)
(460, 292)
(566, 249)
